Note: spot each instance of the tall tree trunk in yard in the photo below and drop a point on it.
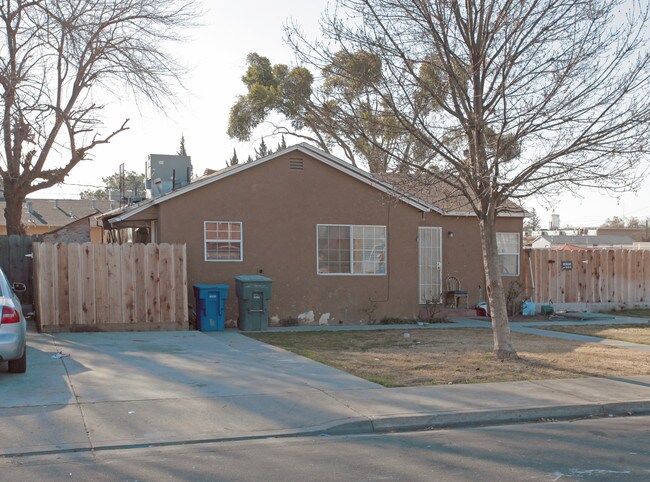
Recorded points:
(503, 348)
(13, 209)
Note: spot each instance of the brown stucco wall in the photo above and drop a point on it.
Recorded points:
(280, 209)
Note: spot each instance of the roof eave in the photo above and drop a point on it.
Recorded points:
(503, 214)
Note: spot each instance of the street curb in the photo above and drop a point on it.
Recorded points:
(438, 421)
(406, 423)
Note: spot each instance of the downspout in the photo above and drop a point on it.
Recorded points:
(532, 277)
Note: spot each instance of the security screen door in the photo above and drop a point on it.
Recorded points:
(430, 261)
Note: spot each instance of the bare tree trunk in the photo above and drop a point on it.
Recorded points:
(14, 211)
(503, 348)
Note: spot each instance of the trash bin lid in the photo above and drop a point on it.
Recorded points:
(256, 278)
(206, 291)
(203, 287)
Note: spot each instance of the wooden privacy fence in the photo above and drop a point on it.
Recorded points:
(116, 287)
(587, 276)
(16, 262)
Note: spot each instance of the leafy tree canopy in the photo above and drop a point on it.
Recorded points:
(133, 182)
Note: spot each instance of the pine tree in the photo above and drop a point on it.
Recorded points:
(250, 159)
(262, 150)
(282, 145)
(234, 160)
(181, 149)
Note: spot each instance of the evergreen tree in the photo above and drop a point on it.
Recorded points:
(282, 145)
(533, 222)
(250, 159)
(234, 160)
(181, 150)
(262, 150)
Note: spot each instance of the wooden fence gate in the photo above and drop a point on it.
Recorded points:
(110, 287)
(587, 275)
(16, 262)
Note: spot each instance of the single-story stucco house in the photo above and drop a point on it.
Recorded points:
(339, 244)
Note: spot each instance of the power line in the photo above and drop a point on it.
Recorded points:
(82, 185)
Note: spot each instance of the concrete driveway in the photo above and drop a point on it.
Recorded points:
(125, 389)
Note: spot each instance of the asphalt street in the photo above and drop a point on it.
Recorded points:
(607, 449)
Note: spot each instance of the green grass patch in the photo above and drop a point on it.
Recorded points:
(634, 312)
(633, 333)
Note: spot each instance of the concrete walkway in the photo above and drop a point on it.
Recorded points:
(537, 328)
(122, 390)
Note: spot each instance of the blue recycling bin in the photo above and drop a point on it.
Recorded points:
(210, 306)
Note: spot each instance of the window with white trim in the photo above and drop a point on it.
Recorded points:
(347, 249)
(223, 240)
(509, 248)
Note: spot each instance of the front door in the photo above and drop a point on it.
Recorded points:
(430, 261)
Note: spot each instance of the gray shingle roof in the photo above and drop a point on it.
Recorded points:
(599, 240)
(58, 212)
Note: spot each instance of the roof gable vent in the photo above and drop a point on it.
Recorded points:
(295, 164)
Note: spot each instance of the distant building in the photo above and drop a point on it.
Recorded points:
(555, 221)
(595, 241)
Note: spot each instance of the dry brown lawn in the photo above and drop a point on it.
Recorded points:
(451, 356)
(632, 333)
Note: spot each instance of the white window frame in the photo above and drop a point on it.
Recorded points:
(351, 226)
(517, 254)
(240, 241)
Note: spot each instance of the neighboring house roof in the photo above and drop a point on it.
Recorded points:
(599, 240)
(570, 247)
(423, 200)
(449, 200)
(58, 212)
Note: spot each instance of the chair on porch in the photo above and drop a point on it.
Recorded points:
(454, 295)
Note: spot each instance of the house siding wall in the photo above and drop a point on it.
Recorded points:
(280, 208)
(76, 232)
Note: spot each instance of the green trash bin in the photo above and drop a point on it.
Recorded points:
(253, 293)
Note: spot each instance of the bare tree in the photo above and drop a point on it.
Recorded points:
(526, 97)
(57, 58)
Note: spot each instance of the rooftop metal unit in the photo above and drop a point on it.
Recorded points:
(165, 173)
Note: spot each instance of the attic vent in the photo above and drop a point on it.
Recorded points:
(295, 164)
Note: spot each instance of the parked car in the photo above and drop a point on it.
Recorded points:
(13, 327)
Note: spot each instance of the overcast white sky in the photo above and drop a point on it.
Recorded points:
(217, 56)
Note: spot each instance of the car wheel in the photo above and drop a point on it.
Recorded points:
(20, 365)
